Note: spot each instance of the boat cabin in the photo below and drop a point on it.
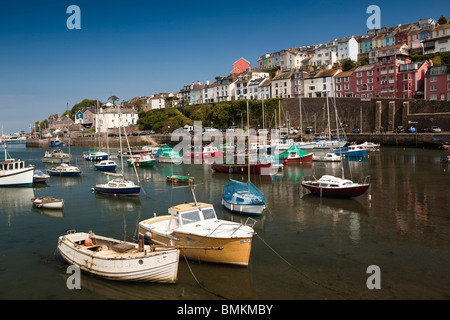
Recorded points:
(189, 213)
(11, 164)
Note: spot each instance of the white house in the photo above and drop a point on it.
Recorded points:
(111, 118)
(320, 84)
(225, 89)
(347, 48)
(282, 86)
(324, 57)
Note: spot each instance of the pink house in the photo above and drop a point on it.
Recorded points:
(437, 83)
(411, 79)
(240, 66)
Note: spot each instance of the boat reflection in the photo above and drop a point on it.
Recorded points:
(335, 205)
(16, 201)
(54, 213)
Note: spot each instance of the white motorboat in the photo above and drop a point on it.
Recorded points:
(15, 172)
(328, 157)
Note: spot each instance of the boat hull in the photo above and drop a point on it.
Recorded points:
(131, 191)
(20, 177)
(142, 163)
(106, 167)
(305, 159)
(247, 209)
(63, 174)
(241, 168)
(347, 192)
(234, 251)
(157, 266)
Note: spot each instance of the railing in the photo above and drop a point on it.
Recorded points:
(364, 180)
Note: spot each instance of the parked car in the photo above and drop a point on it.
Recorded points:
(146, 132)
(356, 130)
(435, 129)
(399, 129)
(411, 129)
(425, 130)
(309, 130)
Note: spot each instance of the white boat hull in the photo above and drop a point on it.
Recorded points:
(148, 266)
(244, 208)
(19, 177)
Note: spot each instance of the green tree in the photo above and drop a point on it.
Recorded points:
(347, 64)
(113, 99)
(437, 61)
(442, 20)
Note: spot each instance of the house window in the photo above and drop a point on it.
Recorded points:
(433, 88)
(433, 96)
(433, 79)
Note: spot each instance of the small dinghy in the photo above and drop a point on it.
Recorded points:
(118, 260)
(48, 202)
(180, 179)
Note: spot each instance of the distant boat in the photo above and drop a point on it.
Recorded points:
(243, 197)
(40, 176)
(64, 170)
(370, 146)
(48, 203)
(294, 154)
(56, 156)
(142, 160)
(177, 179)
(95, 155)
(106, 165)
(119, 260)
(328, 157)
(55, 143)
(208, 152)
(167, 155)
(255, 168)
(351, 151)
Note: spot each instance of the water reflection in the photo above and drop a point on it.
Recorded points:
(15, 201)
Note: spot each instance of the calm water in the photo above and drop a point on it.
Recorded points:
(306, 247)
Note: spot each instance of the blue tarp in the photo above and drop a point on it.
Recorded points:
(242, 193)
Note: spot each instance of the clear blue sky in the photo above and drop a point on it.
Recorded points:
(141, 47)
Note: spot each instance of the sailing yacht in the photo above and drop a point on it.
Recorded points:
(332, 186)
(242, 197)
(118, 186)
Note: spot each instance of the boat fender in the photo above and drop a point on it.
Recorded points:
(88, 242)
(148, 236)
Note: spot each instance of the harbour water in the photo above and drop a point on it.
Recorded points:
(305, 248)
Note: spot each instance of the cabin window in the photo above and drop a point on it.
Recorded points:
(208, 214)
(190, 217)
(11, 166)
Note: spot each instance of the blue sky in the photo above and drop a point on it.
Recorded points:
(138, 48)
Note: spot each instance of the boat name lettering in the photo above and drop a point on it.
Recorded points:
(245, 241)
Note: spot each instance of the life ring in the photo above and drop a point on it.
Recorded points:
(175, 180)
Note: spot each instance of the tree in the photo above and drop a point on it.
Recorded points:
(442, 20)
(113, 99)
(347, 64)
(437, 61)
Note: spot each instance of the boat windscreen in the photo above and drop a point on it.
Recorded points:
(208, 213)
(190, 217)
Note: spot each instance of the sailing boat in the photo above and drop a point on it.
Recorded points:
(332, 186)
(64, 169)
(106, 165)
(242, 197)
(96, 155)
(118, 186)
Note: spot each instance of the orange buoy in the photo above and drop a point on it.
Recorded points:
(88, 242)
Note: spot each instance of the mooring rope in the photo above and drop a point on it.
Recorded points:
(297, 270)
(198, 282)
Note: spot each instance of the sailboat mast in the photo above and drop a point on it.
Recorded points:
(329, 126)
(300, 113)
(248, 149)
(120, 143)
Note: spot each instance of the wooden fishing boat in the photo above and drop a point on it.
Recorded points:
(118, 260)
(56, 156)
(196, 226)
(48, 202)
(180, 179)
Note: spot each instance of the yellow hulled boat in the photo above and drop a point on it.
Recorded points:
(196, 227)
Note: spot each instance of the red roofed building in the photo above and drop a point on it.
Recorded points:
(240, 66)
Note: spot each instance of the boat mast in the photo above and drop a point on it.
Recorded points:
(300, 113)
(329, 127)
(339, 146)
(248, 149)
